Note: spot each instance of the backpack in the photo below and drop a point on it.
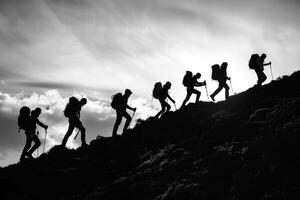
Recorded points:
(117, 101)
(215, 72)
(157, 90)
(23, 118)
(71, 107)
(187, 79)
(253, 61)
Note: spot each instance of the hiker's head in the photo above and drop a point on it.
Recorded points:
(224, 65)
(168, 85)
(83, 101)
(189, 73)
(72, 99)
(36, 112)
(263, 56)
(198, 75)
(25, 111)
(128, 92)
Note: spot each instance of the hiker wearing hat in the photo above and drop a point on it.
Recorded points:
(119, 103)
(164, 94)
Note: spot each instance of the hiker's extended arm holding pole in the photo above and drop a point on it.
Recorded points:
(269, 63)
(169, 97)
(41, 124)
(130, 108)
(198, 84)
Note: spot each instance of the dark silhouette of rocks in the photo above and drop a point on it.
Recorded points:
(247, 147)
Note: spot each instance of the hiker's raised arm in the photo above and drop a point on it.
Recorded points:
(269, 63)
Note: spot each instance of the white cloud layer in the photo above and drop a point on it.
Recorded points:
(97, 116)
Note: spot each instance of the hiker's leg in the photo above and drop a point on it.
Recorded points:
(263, 77)
(226, 90)
(167, 106)
(198, 94)
(259, 76)
(78, 124)
(188, 96)
(68, 134)
(162, 109)
(36, 145)
(216, 91)
(117, 123)
(26, 147)
(128, 120)
(82, 132)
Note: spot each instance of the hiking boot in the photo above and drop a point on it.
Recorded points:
(212, 97)
(22, 159)
(84, 144)
(30, 156)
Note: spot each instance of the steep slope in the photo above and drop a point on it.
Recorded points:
(245, 148)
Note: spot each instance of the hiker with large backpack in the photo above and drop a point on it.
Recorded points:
(220, 74)
(256, 62)
(190, 81)
(162, 94)
(34, 120)
(120, 104)
(28, 123)
(72, 111)
(23, 123)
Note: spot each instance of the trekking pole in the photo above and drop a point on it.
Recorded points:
(271, 71)
(131, 118)
(206, 92)
(175, 106)
(231, 86)
(76, 134)
(37, 150)
(44, 140)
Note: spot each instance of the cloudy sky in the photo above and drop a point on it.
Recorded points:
(51, 49)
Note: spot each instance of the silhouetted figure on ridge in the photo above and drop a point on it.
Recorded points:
(220, 74)
(162, 96)
(190, 81)
(72, 111)
(257, 63)
(28, 123)
(23, 123)
(120, 104)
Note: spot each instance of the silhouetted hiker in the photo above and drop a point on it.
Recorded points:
(256, 62)
(28, 123)
(162, 96)
(220, 74)
(23, 123)
(190, 81)
(119, 103)
(32, 128)
(72, 111)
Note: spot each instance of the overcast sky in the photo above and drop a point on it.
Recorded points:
(51, 49)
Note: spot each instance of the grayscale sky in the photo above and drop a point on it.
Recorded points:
(51, 49)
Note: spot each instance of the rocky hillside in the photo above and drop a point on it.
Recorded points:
(245, 148)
